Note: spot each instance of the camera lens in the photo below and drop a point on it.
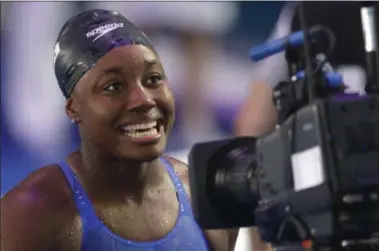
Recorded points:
(234, 176)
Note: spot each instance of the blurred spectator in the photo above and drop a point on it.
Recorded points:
(35, 107)
(34, 126)
(348, 56)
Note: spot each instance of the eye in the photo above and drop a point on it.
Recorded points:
(154, 79)
(113, 87)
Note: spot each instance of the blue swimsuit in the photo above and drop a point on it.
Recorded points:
(185, 236)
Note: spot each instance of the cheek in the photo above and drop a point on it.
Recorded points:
(167, 96)
(99, 113)
(167, 103)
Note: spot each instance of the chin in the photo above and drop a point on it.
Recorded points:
(144, 157)
(146, 153)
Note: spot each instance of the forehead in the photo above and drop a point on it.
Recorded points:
(126, 59)
(129, 56)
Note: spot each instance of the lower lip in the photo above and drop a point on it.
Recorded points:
(146, 139)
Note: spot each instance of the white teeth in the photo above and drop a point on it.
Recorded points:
(136, 134)
(131, 128)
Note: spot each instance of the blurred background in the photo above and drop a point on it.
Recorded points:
(203, 46)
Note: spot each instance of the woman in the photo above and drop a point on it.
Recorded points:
(117, 192)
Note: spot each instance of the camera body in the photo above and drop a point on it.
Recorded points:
(321, 164)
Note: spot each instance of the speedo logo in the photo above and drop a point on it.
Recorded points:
(102, 30)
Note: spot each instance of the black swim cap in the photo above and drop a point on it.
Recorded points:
(87, 37)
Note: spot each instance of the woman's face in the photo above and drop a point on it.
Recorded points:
(124, 104)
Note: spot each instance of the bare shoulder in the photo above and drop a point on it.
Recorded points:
(34, 210)
(44, 187)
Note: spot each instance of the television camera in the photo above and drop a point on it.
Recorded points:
(313, 182)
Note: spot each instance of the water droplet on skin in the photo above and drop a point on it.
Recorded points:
(71, 235)
(111, 218)
(45, 191)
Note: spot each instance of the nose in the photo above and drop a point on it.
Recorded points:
(140, 99)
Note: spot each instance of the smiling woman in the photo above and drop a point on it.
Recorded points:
(125, 87)
(118, 191)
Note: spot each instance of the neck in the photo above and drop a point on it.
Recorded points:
(108, 178)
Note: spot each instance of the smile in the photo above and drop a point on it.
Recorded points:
(143, 132)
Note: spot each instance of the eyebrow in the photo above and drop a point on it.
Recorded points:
(111, 70)
(150, 62)
(116, 69)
